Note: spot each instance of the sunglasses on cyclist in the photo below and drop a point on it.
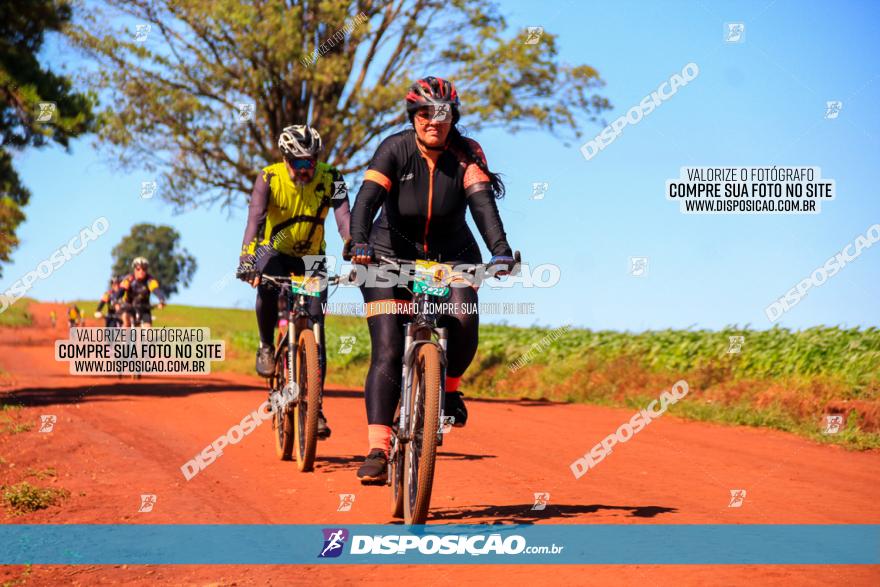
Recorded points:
(438, 113)
(300, 164)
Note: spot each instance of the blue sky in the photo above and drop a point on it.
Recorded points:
(758, 103)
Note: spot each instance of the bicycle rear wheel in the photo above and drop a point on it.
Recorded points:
(306, 410)
(282, 420)
(421, 450)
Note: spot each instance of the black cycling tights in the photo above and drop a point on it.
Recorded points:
(382, 388)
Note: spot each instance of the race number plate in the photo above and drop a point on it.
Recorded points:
(307, 286)
(432, 278)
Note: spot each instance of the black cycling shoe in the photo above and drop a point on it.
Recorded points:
(375, 467)
(265, 361)
(323, 428)
(455, 407)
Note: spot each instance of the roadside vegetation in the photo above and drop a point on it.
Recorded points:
(776, 378)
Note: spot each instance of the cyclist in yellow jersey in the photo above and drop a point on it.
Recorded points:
(73, 313)
(289, 204)
(136, 289)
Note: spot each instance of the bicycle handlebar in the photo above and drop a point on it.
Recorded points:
(471, 269)
(280, 280)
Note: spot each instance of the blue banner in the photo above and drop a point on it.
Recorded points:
(440, 544)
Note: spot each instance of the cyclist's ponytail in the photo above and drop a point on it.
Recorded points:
(459, 142)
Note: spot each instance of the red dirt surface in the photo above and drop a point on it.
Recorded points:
(116, 438)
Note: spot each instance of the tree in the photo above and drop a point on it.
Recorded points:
(175, 86)
(24, 84)
(169, 263)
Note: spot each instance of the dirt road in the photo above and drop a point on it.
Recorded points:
(117, 439)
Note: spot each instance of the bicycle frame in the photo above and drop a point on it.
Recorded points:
(297, 315)
(421, 331)
(298, 319)
(136, 314)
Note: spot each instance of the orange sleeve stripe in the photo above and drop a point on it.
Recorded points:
(473, 175)
(378, 177)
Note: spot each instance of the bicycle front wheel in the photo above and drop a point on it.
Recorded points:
(421, 450)
(396, 467)
(306, 411)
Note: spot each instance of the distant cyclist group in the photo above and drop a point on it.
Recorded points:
(421, 182)
(127, 301)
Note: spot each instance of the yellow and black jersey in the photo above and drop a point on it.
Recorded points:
(289, 216)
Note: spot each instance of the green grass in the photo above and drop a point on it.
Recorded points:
(17, 315)
(10, 426)
(21, 579)
(43, 474)
(780, 379)
(24, 498)
(15, 427)
(8, 423)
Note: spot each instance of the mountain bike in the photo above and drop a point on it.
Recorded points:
(111, 319)
(420, 420)
(137, 318)
(296, 388)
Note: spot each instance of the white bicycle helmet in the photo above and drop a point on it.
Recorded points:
(299, 140)
(140, 262)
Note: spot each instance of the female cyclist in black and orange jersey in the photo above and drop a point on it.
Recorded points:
(424, 179)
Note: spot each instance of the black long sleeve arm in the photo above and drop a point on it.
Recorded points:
(485, 213)
(368, 201)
